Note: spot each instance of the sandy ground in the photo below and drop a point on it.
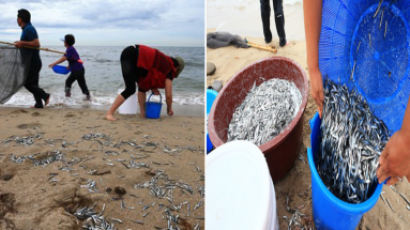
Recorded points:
(297, 184)
(40, 189)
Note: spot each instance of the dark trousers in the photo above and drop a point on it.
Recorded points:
(79, 77)
(32, 83)
(279, 18)
(130, 71)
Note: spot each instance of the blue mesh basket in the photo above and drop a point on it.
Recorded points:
(365, 44)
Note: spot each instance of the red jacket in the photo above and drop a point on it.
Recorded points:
(158, 66)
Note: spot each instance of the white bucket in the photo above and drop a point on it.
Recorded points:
(239, 189)
(130, 105)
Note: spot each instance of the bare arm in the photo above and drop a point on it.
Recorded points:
(168, 96)
(395, 158)
(313, 21)
(141, 102)
(62, 59)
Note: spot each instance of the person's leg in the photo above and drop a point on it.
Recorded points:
(32, 84)
(280, 21)
(128, 67)
(82, 83)
(68, 83)
(265, 14)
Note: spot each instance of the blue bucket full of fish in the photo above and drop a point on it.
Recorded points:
(364, 60)
(329, 211)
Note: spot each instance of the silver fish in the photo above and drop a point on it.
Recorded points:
(265, 111)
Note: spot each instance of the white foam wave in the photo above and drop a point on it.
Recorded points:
(58, 99)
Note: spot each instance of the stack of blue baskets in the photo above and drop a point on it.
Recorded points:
(369, 52)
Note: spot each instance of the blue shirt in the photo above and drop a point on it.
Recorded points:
(30, 34)
(72, 58)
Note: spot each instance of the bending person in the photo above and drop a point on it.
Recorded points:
(151, 70)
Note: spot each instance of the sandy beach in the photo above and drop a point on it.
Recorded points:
(142, 173)
(391, 212)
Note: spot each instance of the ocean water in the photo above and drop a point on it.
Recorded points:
(104, 78)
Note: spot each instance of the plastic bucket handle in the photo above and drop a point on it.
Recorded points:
(160, 98)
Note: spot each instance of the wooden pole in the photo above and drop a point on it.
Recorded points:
(262, 47)
(37, 48)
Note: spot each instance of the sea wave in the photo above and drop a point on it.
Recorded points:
(99, 101)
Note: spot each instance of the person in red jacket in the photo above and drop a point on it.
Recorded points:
(151, 70)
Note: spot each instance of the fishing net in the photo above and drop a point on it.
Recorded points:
(222, 39)
(365, 44)
(14, 66)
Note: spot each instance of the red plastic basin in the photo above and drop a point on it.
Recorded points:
(282, 150)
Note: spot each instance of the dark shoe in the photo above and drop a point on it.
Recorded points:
(37, 106)
(268, 37)
(87, 98)
(282, 42)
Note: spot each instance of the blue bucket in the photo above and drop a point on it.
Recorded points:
(153, 109)
(210, 98)
(330, 212)
(60, 69)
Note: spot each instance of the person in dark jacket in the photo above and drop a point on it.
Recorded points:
(151, 70)
(29, 38)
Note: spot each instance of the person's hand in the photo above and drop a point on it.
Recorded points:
(51, 65)
(395, 159)
(155, 91)
(316, 89)
(18, 44)
(170, 111)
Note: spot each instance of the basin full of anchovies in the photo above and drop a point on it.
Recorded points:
(352, 141)
(265, 112)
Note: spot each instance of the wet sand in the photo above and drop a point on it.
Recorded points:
(51, 159)
(296, 186)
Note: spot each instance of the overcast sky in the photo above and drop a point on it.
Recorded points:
(109, 22)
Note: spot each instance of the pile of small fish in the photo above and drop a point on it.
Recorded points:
(39, 159)
(26, 140)
(164, 189)
(92, 219)
(265, 112)
(352, 141)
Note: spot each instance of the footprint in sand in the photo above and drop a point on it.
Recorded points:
(18, 111)
(69, 115)
(29, 126)
(35, 114)
(6, 177)
(7, 201)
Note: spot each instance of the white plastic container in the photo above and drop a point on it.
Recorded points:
(239, 189)
(130, 105)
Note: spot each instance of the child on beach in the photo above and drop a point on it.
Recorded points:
(75, 65)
